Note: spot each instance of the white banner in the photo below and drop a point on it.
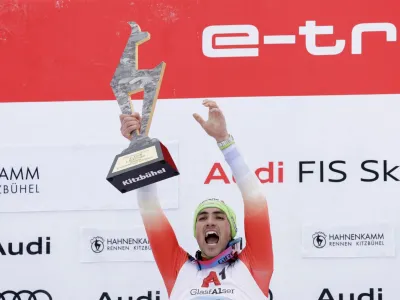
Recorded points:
(300, 134)
(56, 178)
(102, 245)
(362, 240)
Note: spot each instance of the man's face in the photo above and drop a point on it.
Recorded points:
(213, 231)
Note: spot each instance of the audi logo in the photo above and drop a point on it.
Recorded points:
(25, 295)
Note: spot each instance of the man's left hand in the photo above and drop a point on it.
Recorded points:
(215, 126)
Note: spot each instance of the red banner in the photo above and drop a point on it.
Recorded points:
(63, 50)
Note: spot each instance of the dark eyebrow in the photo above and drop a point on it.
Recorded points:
(214, 213)
(218, 213)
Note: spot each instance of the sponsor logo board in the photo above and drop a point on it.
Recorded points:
(102, 245)
(361, 240)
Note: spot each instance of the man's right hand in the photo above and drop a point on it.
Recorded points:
(129, 123)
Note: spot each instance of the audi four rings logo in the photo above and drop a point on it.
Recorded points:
(26, 295)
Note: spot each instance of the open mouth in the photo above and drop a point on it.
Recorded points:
(212, 238)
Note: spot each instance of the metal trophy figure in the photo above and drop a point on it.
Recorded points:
(146, 160)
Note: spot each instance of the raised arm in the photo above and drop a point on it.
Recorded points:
(168, 254)
(258, 254)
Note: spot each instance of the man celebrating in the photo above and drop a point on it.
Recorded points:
(219, 270)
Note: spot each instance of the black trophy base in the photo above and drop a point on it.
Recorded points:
(141, 164)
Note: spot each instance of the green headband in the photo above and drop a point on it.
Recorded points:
(215, 203)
